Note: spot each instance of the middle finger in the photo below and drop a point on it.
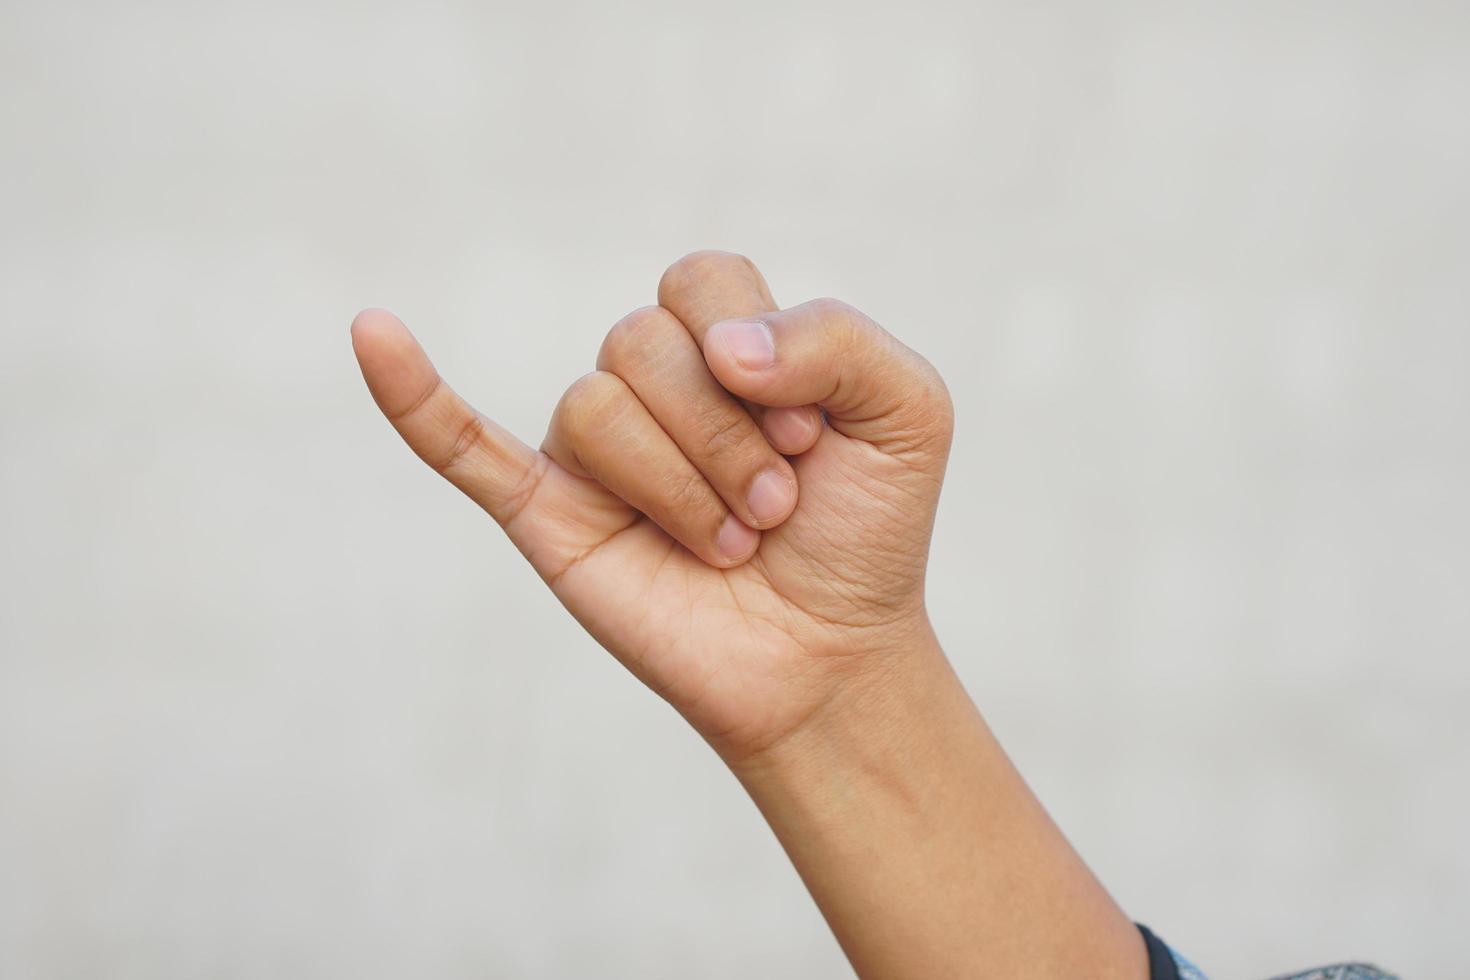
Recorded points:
(656, 357)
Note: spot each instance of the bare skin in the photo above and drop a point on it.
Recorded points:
(738, 505)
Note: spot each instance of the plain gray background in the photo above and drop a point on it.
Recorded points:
(275, 702)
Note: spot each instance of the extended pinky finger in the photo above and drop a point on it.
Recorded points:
(601, 430)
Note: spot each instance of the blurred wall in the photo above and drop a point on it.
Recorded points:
(276, 702)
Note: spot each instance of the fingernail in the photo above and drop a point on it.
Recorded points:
(735, 540)
(749, 341)
(791, 429)
(771, 496)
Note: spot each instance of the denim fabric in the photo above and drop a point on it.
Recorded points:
(1343, 971)
(1187, 970)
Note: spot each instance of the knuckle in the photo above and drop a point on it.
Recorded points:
(686, 493)
(696, 267)
(750, 269)
(928, 414)
(588, 402)
(722, 430)
(417, 405)
(829, 308)
(927, 407)
(471, 431)
(848, 326)
(938, 403)
(634, 337)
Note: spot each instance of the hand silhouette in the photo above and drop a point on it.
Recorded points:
(737, 504)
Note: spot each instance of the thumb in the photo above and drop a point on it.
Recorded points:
(824, 352)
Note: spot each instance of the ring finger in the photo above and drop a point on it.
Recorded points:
(655, 355)
(601, 430)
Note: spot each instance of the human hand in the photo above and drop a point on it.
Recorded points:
(763, 569)
(751, 590)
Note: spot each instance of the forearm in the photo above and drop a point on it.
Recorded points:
(925, 850)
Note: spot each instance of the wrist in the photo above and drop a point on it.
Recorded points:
(888, 707)
(921, 844)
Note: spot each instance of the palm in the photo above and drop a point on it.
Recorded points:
(745, 652)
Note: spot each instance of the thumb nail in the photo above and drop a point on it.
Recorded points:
(749, 342)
